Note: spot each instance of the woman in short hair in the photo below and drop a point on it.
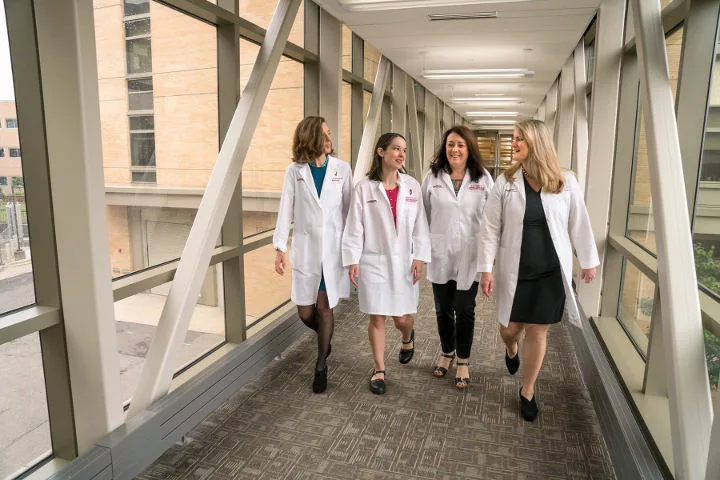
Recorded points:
(315, 198)
(534, 211)
(384, 245)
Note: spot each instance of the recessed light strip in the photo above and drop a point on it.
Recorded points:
(376, 5)
(433, 17)
(492, 114)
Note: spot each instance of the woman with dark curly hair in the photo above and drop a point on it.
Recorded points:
(454, 194)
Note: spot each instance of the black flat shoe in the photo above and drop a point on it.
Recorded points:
(512, 364)
(320, 381)
(528, 408)
(406, 355)
(439, 371)
(462, 383)
(377, 386)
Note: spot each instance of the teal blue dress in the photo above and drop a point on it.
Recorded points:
(318, 174)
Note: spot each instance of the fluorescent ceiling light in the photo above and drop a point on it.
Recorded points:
(375, 5)
(433, 17)
(471, 73)
(492, 114)
(494, 122)
(489, 100)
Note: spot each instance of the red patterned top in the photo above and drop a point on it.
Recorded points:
(393, 196)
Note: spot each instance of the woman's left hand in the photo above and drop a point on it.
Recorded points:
(587, 274)
(415, 270)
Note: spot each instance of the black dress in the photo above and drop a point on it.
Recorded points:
(540, 293)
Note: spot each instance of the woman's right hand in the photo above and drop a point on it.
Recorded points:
(487, 282)
(354, 273)
(280, 262)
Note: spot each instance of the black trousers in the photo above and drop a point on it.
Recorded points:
(455, 310)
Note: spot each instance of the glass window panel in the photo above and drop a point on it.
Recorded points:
(706, 222)
(367, 96)
(636, 304)
(143, 122)
(3, 181)
(136, 7)
(346, 123)
(139, 59)
(137, 28)
(640, 222)
(142, 147)
(137, 318)
(24, 423)
(182, 148)
(346, 48)
(265, 290)
(271, 148)
(590, 60)
(144, 177)
(260, 12)
(16, 276)
(371, 61)
(712, 355)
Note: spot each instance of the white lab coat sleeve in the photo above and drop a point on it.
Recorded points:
(285, 213)
(354, 233)
(490, 229)
(490, 185)
(421, 235)
(580, 228)
(346, 195)
(425, 189)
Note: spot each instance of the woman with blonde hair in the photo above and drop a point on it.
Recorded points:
(533, 212)
(384, 246)
(316, 198)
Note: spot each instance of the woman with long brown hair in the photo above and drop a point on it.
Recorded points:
(454, 194)
(384, 245)
(533, 212)
(316, 198)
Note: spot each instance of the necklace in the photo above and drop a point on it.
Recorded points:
(525, 172)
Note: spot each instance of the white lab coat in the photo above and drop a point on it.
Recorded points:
(454, 226)
(501, 238)
(383, 252)
(317, 233)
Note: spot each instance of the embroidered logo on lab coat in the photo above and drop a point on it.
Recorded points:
(477, 187)
(437, 186)
(300, 179)
(372, 201)
(410, 199)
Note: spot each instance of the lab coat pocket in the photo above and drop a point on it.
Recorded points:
(373, 269)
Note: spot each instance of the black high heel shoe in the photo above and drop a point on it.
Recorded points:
(528, 408)
(512, 364)
(320, 380)
(439, 371)
(377, 386)
(406, 355)
(462, 383)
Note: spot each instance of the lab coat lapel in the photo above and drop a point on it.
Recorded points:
(330, 172)
(309, 182)
(447, 181)
(464, 186)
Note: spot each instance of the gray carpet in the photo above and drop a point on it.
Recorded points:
(276, 428)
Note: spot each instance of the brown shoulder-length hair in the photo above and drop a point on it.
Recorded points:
(309, 140)
(474, 162)
(542, 161)
(375, 170)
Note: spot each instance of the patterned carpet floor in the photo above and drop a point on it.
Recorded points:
(422, 428)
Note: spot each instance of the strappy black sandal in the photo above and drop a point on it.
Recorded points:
(406, 355)
(377, 386)
(320, 380)
(462, 383)
(439, 371)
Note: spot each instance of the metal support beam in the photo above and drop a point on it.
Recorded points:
(372, 122)
(414, 126)
(399, 102)
(430, 129)
(160, 362)
(655, 379)
(689, 394)
(580, 138)
(541, 110)
(331, 74)
(66, 46)
(551, 104)
(605, 100)
(566, 107)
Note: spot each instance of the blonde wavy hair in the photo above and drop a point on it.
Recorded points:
(542, 161)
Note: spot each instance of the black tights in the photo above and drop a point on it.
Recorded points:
(319, 318)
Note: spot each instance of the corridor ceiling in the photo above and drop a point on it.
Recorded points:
(537, 35)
